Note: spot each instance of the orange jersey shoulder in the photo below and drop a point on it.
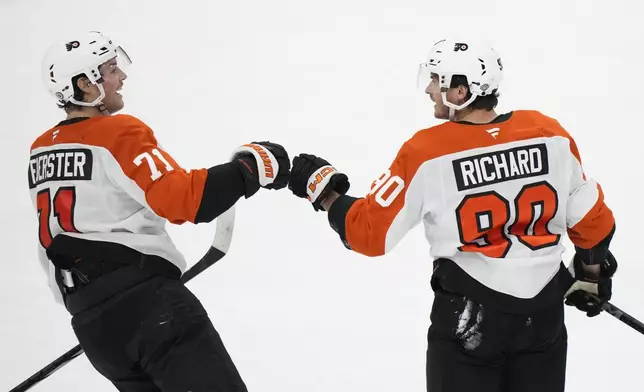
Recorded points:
(452, 137)
(100, 131)
(168, 189)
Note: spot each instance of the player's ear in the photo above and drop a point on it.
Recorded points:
(84, 85)
(462, 91)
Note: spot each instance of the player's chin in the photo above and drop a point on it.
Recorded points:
(441, 113)
(116, 105)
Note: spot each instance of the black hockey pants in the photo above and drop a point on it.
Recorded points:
(473, 348)
(156, 336)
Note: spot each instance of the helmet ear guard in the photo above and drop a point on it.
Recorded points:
(445, 81)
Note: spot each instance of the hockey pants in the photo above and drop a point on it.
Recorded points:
(472, 348)
(156, 337)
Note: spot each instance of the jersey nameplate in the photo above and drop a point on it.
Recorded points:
(499, 166)
(60, 165)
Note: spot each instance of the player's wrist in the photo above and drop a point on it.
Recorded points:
(329, 200)
(248, 169)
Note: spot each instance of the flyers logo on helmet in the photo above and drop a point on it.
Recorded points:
(268, 165)
(72, 45)
(460, 47)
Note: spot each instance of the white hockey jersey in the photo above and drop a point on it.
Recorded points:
(106, 178)
(493, 198)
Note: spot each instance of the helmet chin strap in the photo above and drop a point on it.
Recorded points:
(453, 108)
(452, 113)
(97, 103)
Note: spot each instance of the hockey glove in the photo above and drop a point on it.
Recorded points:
(313, 178)
(579, 294)
(263, 164)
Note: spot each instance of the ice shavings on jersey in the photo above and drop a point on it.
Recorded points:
(470, 336)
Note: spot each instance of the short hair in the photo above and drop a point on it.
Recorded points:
(79, 95)
(487, 102)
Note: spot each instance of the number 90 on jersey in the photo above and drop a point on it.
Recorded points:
(484, 226)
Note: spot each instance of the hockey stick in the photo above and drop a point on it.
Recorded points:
(619, 314)
(217, 250)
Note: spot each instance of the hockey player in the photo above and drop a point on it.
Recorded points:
(496, 193)
(103, 189)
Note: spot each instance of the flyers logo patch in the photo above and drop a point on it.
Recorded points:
(461, 47)
(72, 45)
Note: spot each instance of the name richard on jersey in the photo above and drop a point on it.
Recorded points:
(499, 166)
(60, 165)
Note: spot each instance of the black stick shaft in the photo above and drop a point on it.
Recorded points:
(623, 316)
(49, 369)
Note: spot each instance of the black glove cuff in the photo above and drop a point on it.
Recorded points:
(609, 266)
(248, 167)
(340, 183)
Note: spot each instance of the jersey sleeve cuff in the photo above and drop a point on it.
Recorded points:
(337, 216)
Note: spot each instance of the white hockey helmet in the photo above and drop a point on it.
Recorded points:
(81, 54)
(479, 63)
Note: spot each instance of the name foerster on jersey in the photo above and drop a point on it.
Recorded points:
(499, 166)
(59, 165)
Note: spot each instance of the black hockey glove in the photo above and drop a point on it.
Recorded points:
(579, 294)
(313, 178)
(264, 164)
